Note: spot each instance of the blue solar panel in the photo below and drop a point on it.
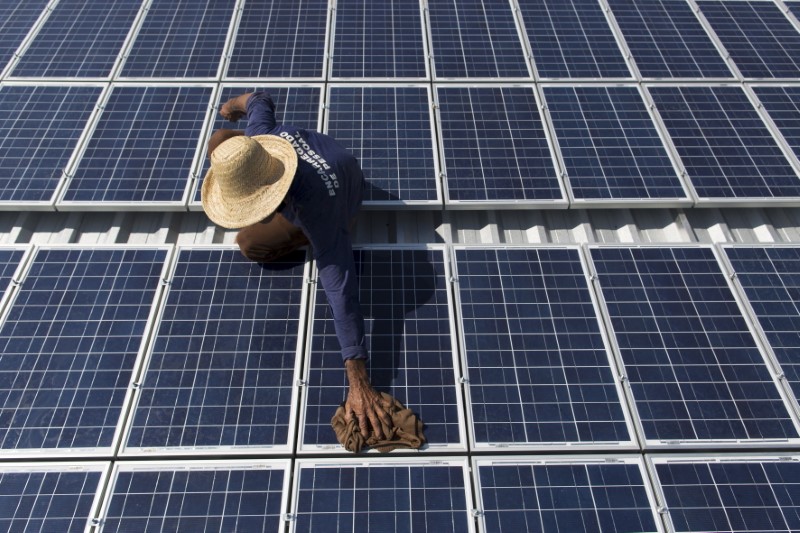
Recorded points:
(724, 144)
(378, 40)
(196, 497)
(760, 39)
(80, 38)
(180, 39)
(382, 496)
(667, 40)
(771, 280)
(494, 145)
(405, 302)
(48, 498)
(536, 362)
(783, 106)
(389, 131)
(695, 371)
(16, 20)
(69, 345)
(609, 144)
(298, 105)
(143, 147)
(572, 39)
(278, 39)
(475, 39)
(221, 373)
(731, 494)
(564, 496)
(39, 130)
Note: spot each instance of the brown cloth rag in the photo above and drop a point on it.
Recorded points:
(406, 430)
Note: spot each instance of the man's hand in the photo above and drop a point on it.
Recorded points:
(235, 108)
(364, 402)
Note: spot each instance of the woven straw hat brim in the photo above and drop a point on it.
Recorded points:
(235, 213)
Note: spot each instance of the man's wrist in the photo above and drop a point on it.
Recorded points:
(356, 370)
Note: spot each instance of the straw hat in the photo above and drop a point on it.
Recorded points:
(248, 179)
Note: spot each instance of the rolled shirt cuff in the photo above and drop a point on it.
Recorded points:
(354, 352)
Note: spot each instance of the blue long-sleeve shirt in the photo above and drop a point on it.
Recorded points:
(322, 200)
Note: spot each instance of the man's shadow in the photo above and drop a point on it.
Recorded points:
(394, 285)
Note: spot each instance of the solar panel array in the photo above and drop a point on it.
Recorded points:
(181, 387)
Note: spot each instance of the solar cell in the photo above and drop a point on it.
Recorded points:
(180, 39)
(609, 144)
(143, 147)
(298, 105)
(728, 152)
(70, 341)
(536, 362)
(405, 301)
(475, 39)
(695, 371)
(494, 146)
(783, 106)
(222, 369)
(80, 38)
(382, 496)
(277, 39)
(730, 494)
(39, 129)
(564, 495)
(389, 130)
(667, 40)
(770, 278)
(378, 40)
(760, 39)
(196, 496)
(572, 39)
(53, 497)
(17, 18)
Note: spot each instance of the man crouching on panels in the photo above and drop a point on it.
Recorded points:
(285, 187)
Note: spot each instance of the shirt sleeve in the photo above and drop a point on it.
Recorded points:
(337, 273)
(260, 114)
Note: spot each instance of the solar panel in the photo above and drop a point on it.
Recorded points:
(384, 495)
(277, 39)
(49, 497)
(564, 495)
(70, 341)
(695, 372)
(17, 18)
(730, 494)
(298, 105)
(572, 39)
(180, 39)
(495, 148)
(222, 369)
(196, 496)
(39, 130)
(142, 149)
(537, 368)
(667, 40)
(770, 277)
(475, 39)
(783, 106)
(760, 39)
(610, 147)
(405, 300)
(389, 130)
(728, 152)
(80, 38)
(378, 40)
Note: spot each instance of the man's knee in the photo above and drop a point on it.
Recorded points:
(249, 246)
